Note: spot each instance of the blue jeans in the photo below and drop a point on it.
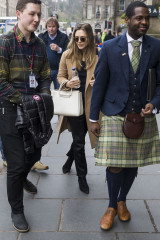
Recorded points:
(54, 74)
(1, 150)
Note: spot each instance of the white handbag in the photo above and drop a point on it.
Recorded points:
(67, 103)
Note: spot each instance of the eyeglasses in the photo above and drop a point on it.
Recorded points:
(81, 39)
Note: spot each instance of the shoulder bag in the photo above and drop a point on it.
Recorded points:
(133, 125)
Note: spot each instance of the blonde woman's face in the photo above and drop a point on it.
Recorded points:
(81, 39)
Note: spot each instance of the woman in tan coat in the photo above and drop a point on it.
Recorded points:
(81, 54)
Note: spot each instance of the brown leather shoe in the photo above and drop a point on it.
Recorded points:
(123, 213)
(108, 219)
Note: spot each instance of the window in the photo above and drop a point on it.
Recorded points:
(121, 5)
(107, 11)
(89, 12)
(98, 12)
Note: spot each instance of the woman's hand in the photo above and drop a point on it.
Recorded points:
(73, 83)
(91, 82)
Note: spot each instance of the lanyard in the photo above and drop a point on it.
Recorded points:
(28, 59)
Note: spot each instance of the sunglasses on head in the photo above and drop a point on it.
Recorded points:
(82, 39)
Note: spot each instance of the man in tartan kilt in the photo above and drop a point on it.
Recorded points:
(120, 89)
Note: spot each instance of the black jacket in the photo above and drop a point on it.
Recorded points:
(33, 119)
(62, 42)
(108, 37)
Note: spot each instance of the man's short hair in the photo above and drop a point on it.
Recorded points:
(21, 4)
(132, 6)
(52, 20)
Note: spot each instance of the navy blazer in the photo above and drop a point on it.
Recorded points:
(111, 88)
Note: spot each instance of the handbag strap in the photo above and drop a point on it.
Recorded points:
(61, 86)
(64, 93)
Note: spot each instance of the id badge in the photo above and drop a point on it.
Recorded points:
(32, 81)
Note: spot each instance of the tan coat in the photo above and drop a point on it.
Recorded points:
(64, 75)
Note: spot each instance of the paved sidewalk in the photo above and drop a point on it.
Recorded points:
(61, 211)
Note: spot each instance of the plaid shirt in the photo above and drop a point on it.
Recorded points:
(15, 68)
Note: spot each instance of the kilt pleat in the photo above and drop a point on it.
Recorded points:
(114, 149)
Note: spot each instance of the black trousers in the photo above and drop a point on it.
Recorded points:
(79, 130)
(18, 163)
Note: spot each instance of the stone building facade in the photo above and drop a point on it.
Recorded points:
(2, 8)
(103, 14)
(11, 8)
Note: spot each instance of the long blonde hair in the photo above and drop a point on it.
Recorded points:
(76, 54)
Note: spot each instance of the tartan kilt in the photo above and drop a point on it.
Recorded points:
(114, 149)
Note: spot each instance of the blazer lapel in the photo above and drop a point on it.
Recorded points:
(145, 55)
(124, 58)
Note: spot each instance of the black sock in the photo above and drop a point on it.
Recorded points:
(129, 175)
(114, 183)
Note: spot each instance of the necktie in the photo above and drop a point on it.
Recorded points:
(136, 54)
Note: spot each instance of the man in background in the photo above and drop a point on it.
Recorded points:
(104, 33)
(109, 36)
(56, 43)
